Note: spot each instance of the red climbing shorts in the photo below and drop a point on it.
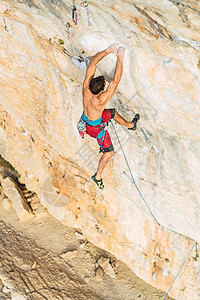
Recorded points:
(93, 131)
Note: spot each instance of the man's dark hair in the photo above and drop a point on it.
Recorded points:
(97, 84)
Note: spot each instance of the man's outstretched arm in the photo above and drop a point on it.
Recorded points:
(107, 95)
(92, 65)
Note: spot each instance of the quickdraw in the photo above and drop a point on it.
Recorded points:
(86, 60)
(87, 12)
(5, 26)
(69, 35)
(74, 13)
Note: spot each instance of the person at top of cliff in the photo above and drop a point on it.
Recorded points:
(94, 103)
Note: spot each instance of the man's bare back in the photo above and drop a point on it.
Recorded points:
(94, 105)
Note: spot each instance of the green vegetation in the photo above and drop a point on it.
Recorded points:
(196, 257)
(61, 42)
(167, 259)
(6, 164)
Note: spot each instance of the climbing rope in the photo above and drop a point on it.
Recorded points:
(133, 181)
(87, 12)
(179, 271)
(74, 13)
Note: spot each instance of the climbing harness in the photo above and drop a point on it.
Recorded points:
(74, 13)
(69, 35)
(101, 135)
(87, 12)
(90, 122)
(133, 181)
(5, 26)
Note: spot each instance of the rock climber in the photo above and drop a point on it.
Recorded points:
(94, 103)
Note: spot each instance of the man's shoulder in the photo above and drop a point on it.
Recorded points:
(90, 96)
(105, 96)
(86, 90)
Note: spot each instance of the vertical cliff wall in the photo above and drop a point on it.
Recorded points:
(40, 103)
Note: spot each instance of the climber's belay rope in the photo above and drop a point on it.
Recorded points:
(179, 271)
(133, 181)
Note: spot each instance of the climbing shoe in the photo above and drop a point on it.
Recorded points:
(98, 182)
(134, 121)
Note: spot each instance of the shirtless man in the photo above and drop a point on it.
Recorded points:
(94, 103)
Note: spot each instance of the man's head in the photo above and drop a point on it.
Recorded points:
(97, 84)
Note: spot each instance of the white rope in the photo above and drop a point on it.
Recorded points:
(179, 271)
(133, 181)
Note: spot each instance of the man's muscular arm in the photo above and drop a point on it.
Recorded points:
(92, 66)
(107, 95)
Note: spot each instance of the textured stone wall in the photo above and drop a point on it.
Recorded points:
(40, 104)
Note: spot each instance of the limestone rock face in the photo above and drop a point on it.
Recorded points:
(104, 263)
(18, 202)
(42, 67)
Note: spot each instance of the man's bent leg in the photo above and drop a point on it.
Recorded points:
(120, 120)
(103, 162)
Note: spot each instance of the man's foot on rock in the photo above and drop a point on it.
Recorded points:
(134, 121)
(98, 182)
